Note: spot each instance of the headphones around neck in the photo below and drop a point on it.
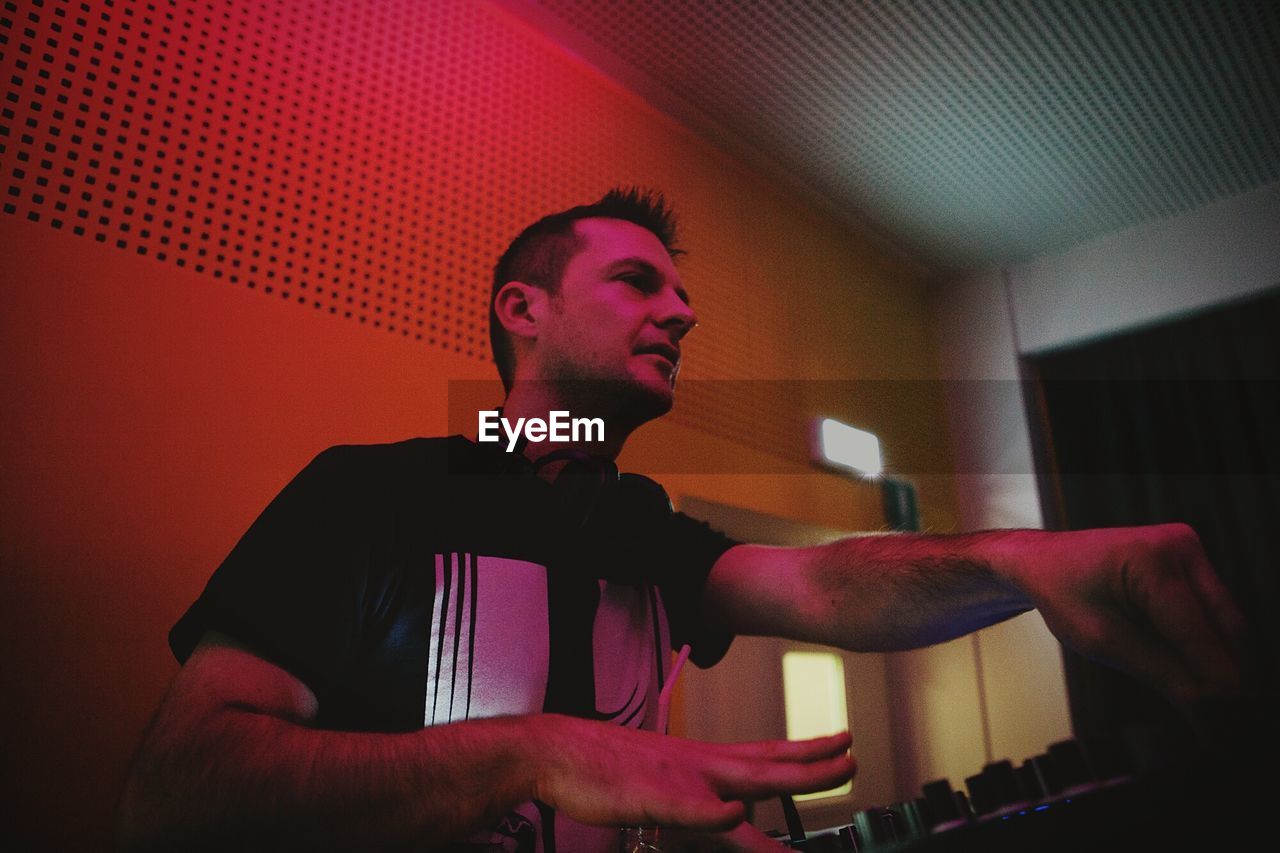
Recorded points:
(591, 499)
(601, 520)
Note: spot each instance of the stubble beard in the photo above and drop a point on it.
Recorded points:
(623, 403)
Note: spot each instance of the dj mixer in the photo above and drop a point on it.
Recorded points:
(1076, 797)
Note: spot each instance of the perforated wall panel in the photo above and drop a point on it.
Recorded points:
(368, 160)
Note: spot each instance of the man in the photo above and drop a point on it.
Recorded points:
(437, 641)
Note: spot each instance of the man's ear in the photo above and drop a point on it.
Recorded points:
(519, 307)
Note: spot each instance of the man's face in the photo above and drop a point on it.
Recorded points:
(617, 318)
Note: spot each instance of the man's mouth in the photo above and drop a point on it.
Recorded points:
(666, 351)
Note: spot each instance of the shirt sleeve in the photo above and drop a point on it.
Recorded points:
(293, 588)
(695, 547)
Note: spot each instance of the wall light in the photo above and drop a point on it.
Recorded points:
(849, 447)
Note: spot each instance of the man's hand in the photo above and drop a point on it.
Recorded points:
(1143, 599)
(610, 776)
(233, 761)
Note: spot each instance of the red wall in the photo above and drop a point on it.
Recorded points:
(235, 233)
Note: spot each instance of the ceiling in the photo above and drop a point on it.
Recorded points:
(969, 133)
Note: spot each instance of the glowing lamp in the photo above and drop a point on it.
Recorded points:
(849, 447)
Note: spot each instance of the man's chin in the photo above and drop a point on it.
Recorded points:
(636, 399)
(650, 398)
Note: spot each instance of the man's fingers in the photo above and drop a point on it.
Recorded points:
(707, 813)
(792, 750)
(1223, 612)
(614, 776)
(1150, 659)
(731, 773)
(1189, 607)
(1182, 619)
(756, 779)
(745, 838)
(766, 768)
(730, 776)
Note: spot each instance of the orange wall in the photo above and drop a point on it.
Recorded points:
(301, 206)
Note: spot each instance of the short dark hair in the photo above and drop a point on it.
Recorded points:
(542, 251)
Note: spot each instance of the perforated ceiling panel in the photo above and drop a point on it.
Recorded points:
(977, 131)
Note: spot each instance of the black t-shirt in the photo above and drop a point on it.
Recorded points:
(429, 581)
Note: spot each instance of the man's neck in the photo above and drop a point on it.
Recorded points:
(538, 400)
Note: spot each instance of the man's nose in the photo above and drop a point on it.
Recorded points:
(677, 314)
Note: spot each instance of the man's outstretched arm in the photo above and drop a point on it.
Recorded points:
(232, 762)
(1144, 599)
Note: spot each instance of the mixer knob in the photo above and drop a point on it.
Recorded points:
(876, 826)
(1070, 763)
(981, 793)
(909, 822)
(943, 807)
(1037, 778)
(994, 788)
(966, 809)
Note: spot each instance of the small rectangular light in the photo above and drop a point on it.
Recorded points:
(814, 703)
(850, 447)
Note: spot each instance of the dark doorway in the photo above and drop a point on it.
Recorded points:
(1175, 422)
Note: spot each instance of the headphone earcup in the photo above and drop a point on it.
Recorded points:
(602, 523)
(640, 503)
